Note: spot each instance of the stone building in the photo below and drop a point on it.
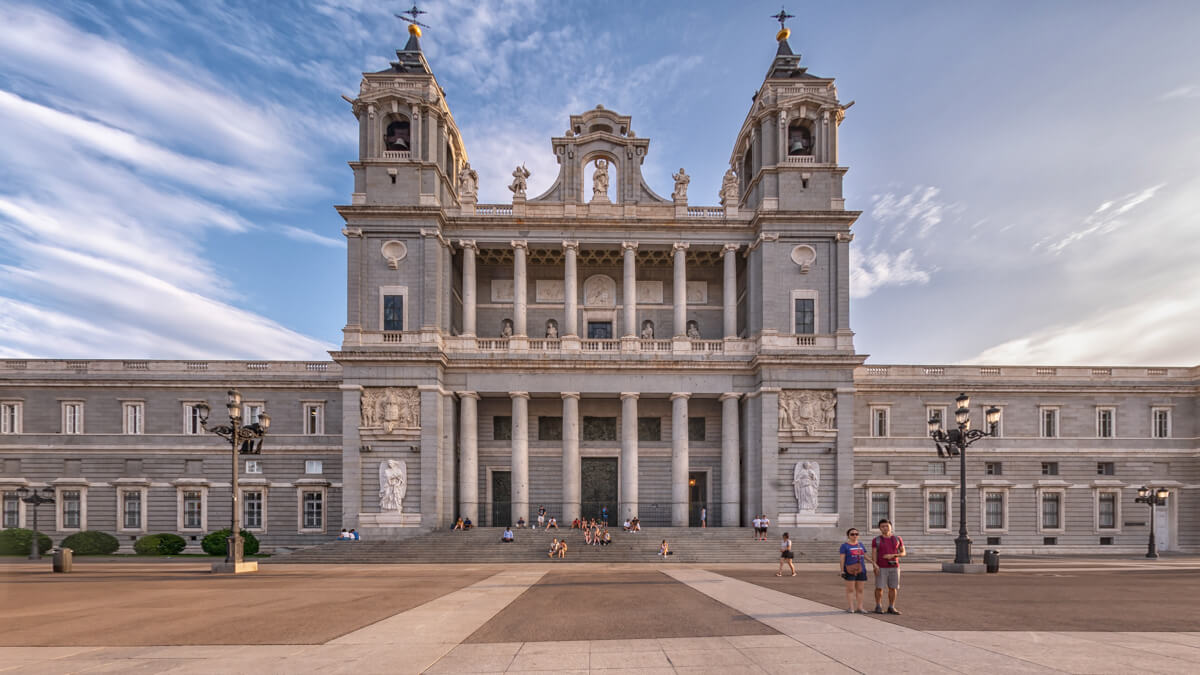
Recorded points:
(601, 347)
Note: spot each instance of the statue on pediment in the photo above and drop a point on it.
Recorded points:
(520, 181)
(468, 183)
(681, 185)
(600, 181)
(729, 189)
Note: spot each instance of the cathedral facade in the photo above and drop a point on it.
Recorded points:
(603, 349)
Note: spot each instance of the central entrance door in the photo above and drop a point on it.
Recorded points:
(697, 496)
(501, 499)
(598, 483)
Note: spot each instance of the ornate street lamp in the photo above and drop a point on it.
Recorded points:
(1152, 497)
(34, 499)
(244, 439)
(955, 441)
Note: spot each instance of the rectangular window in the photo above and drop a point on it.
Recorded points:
(1106, 469)
(994, 510)
(881, 507)
(650, 429)
(10, 418)
(192, 504)
(253, 466)
(993, 468)
(1051, 510)
(599, 428)
(550, 429)
(314, 419)
(314, 510)
(937, 510)
(1106, 514)
(250, 412)
(252, 509)
(502, 428)
(879, 422)
(939, 414)
(1049, 468)
(996, 428)
(806, 316)
(1160, 422)
(12, 510)
(393, 312)
(696, 428)
(314, 466)
(936, 469)
(71, 509)
(132, 503)
(599, 330)
(1106, 422)
(1049, 422)
(191, 419)
(134, 415)
(72, 420)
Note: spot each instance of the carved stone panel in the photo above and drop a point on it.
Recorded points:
(391, 409)
(549, 290)
(807, 414)
(649, 292)
(502, 290)
(697, 292)
(599, 291)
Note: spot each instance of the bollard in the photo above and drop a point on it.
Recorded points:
(63, 559)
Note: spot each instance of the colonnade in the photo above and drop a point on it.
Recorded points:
(571, 288)
(468, 479)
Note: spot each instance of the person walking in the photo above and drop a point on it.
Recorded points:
(786, 555)
(854, 570)
(886, 551)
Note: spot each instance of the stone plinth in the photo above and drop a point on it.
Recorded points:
(234, 568)
(969, 568)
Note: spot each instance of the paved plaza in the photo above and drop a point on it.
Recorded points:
(1042, 615)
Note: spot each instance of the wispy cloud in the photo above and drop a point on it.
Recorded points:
(1182, 92)
(883, 253)
(310, 237)
(871, 271)
(1105, 219)
(920, 208)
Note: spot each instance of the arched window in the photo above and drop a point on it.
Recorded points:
(398, 135)
(747, 170)
(800, 139)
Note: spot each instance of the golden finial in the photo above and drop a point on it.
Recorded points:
(784, 32)
(414, 29)
(414, 26)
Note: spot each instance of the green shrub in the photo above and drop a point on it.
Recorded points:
(91, 542)
(214, 543)
(18, 541)
(160, 544)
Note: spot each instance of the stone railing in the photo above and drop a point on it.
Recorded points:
(397, 154)
(600, 345)
(801, 89)
(1009, 373)
(706, 212)
(107, 366)
(493, 209)
(654, 345)
(491, 344)
(800, 159)
(545, 344)
(806, 342)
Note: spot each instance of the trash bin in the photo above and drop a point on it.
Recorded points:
(991, 559)
(62, 559)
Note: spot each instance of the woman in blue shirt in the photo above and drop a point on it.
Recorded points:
(854, 570)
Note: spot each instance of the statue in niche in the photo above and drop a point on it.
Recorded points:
(468, 182)
(506, 328)
(520, 177)
(804, 412)
(647, 330)
(729, 189)
(806, 479)
(391, 408)
(600, 180)
(393, 483)
(693, 330)
(681, 185)
(552, 329)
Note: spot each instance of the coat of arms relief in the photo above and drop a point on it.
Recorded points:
(391, 409)
(807, 414)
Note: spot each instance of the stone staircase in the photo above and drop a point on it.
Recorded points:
(689, 544)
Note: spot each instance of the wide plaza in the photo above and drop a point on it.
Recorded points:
(1082, 615)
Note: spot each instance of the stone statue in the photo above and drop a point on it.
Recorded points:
(729, 189)
(552, 329)
(806, 479)
(391, 408)
(468, 183)
(393, 483)
(647, 330)
(520, 176)
(693, 330)
(600, 180)
(804, 412)
(681, 185)
(506, 328)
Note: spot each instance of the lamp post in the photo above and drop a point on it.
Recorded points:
(244, 439)
(955, 441)
(1151, 497)
(35, 499)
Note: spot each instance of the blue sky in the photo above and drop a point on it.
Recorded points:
(1027, 171)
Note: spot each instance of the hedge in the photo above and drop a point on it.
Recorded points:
(214, 543)
(18, 541)
(91, 542)
(160, 544)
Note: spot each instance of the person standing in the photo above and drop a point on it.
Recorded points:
(854, 570)
(886, 551)
(604, 514)
(786, 555)
(703, 516)
(757, 527)
(766, 524)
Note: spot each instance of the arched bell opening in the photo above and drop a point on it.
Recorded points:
(397, 135)
(800, 138)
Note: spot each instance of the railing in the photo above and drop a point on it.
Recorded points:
(877, 370)
(545, 344)
(800, 89)
(77, 365)
(493, 209)
(806, 341)
(258, 365)
(393, 337)
(601, 345)
(491, 344)
(706, 212)
(800, 159)
(1045, 371)
(708, 345)
(654, 345)
(934, 371)
(17, 365)
(316, 366)
(397, 154)
(992, 372)
(1102, 372)
(168, 366)
(135, 365)
(197, 365)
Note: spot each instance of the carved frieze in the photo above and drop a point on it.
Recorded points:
(391, 409)
(807, 414)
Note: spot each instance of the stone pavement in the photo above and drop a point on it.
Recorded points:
(444, 635)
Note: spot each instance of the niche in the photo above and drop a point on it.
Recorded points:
(398, 136)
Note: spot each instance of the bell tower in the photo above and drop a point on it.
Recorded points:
(786, 154)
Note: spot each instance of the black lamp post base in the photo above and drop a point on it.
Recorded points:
(962, 550)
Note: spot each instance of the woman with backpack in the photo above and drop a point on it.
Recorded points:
(854, 570)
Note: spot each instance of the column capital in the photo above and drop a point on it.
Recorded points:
(731, 248)
(844, 237)
(680, 246)
(468, 394)
(571, 394)
(465, 244)
(570, 245)
(629, 394)
(681, 394)
(730, 395)
(519, 394)
(520, 243)
(629, 245)
(352, 232)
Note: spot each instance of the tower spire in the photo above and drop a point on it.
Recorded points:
(414, 28)
(784, 32)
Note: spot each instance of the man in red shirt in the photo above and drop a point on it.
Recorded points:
(886, 552)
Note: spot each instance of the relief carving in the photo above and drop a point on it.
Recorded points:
(807, 414)
(391, 409)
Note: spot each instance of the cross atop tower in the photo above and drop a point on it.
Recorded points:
(414, 13)
(781, 17)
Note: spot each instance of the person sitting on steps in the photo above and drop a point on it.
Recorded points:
(562, 548)
(507, 536)
(458, 525)
(467, 523)
(553, 548)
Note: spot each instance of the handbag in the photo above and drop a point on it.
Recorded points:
(855, 569)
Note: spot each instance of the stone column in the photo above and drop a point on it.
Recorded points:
(629, 456)
(630, 284)
(520, 456)
(845, 336)
(352, 502)
(468, 286)
(520, 294)
(571, 292)
(730, 291)
(680, 288)
(731, 469)
(570, 457)
(679, 459)
(468, 466)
